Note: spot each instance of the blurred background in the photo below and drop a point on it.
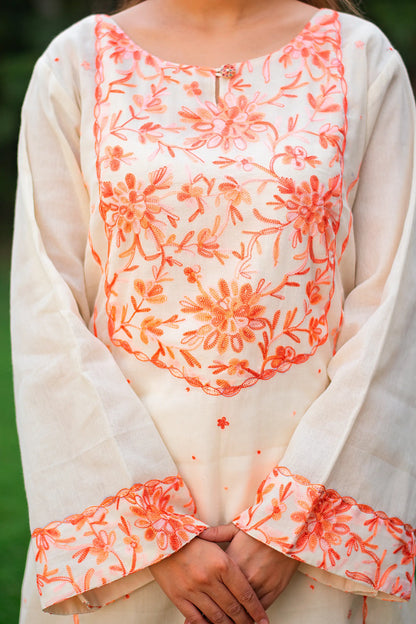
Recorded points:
(26, 27)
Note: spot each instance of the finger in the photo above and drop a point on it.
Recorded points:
(191, 613)
(237, 583)
(230, 605)
(268, 599)
(221, 533)
(211, 609)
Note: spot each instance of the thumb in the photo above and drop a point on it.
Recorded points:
(221, 533)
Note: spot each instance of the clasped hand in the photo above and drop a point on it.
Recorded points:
(234, 586)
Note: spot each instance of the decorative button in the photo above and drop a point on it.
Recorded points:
(228, 71)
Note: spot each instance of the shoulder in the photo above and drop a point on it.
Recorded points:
(70, 53)
(68, 63)
(74, 42)
(366, 49)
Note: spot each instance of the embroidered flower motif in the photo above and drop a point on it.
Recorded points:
(326, 530)
(231, 315)
(234, 192)
(282, 358)
(307, 46)
(174, 224)
(193, 88)
(154, 515)
(323, 522)
(313, 292)
(192, 274)
(114, 156)
(102, 545)
(310, 209)
(133, 542)
(121, 46)
(132, 206)
(246, 163)
(99, 544)
(298, 157)
(237, 367)
(193, 193)
(222, 423)
(234, 121)
(151, 292)
(151, 325)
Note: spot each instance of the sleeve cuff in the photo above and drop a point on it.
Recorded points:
(348, 545)
(117, 539)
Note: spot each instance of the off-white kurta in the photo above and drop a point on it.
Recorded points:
(214, 276)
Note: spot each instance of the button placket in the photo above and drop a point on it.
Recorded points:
(226, 71)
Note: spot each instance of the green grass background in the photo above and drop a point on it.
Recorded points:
(14, 528)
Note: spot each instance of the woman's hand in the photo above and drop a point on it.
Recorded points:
(267, 570)
(202, 580)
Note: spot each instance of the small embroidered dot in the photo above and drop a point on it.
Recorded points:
(294, 413)
(193, 457)
(127, 596)
(258, 452)
(188, 389)
(349, 614)
(312, 586)
(320, 370)
(225, 487)
(128, 381)
(360, 44)
(57, 59)
(222, 422)
(85, 65)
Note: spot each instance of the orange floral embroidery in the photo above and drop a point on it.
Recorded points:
(298, 157)
(127, 532)
(333, 532)
(222, 423)
(197, 210)
(115, 156)
(193, 88)
(231, 316)
(234, 121)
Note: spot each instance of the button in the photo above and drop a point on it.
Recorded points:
(228, 71)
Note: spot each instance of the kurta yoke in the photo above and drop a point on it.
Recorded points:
(212, 320)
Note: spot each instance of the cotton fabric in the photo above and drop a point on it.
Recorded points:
(212, 319)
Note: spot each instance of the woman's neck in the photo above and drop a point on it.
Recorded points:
(191, 32)
(212, 15)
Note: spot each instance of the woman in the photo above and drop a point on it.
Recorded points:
(213, 277)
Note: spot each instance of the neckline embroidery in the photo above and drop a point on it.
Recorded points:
(318, 19)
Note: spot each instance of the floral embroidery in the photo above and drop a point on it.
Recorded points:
(114, 539)
(231, 314)
(332, 532)
(272, 223)
(234, 121)
(222, 423)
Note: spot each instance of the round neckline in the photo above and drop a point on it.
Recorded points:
(205, 68)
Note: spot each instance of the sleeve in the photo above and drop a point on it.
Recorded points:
(343, 498)
(105, 500)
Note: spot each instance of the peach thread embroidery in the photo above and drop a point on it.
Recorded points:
(326, 530)
(127, 532)
(226, 335)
